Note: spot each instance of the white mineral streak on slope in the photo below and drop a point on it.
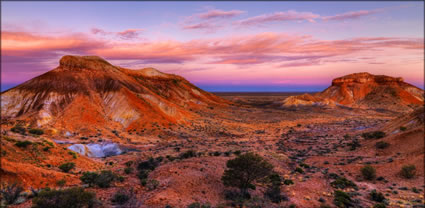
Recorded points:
(118, 109)
(162, 106)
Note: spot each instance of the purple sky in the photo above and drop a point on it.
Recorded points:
(220, 46)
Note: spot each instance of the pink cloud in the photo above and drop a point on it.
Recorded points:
(202, 25)
(272, 51)
(126, 34)
(279, 16)
(352, 15)
(216, 13)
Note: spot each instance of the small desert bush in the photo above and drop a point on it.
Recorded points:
(381, 145)
(67, 198)
(102, 179)
(198, 205)
(120, 197)
(18, 129)
(368, 172)
(299, 170)
(373, 135)
(408, 171)
(36, 131)
(402, 128)
(379, 205)
(188, 154)
(342, 199)
(288, 182)
(376, 196)
(128, 170)
(23, 144)
(342, 183)
(10, 192)
(66, 167)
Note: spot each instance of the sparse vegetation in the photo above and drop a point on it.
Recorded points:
(23, 144)
(18, 128)
(245, 169)
(342, 183)
(67, 198)
(36, 131)
(368, 172)
(102, 180)
(408, 171)
(373, 135)
(299, 170)
(273, 190)
(376, 196)
(379, 205)
(120, 197)
(66, 167)
(342, 199)
(128, 170)
(402, 128)
(198, 205)
(74, 154)
(10, 192)
(381, 145)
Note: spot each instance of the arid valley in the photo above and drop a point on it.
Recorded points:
(212, 104)
(166, 142)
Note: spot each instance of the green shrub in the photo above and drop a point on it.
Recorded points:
(198, 205)
(120, 197)
(18, 129)
(237, 152)
(23, 144)
(106, 177)
(342, 199)
(299, 170)
(354, 144)
(188, 154)
(150, 164)
(89, 178)
(128, 170)
(288, 182)
(408, 171)
(67, 198)
(273, 190)
(245, 169)
(61, 182)
(379, 205)
(36, 131)
(402, 128)
(66, 167)
(304, 165)
(74, 154)
(381, 145)
(342, 183)
(368, 172)
(10, 192)
(376, 196)
(102, 180)
(373, 135)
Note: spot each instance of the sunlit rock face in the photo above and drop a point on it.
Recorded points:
(364, 90)
(88, 91)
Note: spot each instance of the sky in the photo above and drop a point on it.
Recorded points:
(220, 46)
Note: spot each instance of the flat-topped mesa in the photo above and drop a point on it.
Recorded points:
(365, 77)
(84, 62)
